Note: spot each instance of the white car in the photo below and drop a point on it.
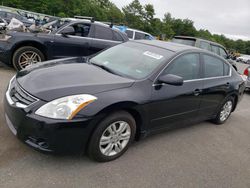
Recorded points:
(244, 59)
(134, 34)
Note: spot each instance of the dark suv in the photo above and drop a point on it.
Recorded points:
(206, 45)
(76, 38)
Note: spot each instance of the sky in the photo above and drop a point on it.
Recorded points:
(228, 17)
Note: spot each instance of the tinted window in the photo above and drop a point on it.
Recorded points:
(205, 45)
(117, 36)
(215, 49)
(223, 53)
(103, 33)
(139, 36)
(130, 34)
(81, 30)
(189, 42)
(213, 67)
(186, 66)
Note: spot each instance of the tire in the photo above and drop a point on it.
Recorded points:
(227, 112)
(20, 60)
(97, 149)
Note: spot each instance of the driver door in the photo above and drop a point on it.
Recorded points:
(73, 44)
(174, 105)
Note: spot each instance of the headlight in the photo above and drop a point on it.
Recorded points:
(5, 38)
(66, 107)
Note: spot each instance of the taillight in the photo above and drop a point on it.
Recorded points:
(246, 72)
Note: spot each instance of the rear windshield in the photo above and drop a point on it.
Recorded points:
(189, 42)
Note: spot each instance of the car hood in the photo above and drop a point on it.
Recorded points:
(55, 79)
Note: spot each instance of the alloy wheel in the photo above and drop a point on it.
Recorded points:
(28, 58)
(115, 138)
(226, 110)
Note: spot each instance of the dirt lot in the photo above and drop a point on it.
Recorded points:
(203, 155)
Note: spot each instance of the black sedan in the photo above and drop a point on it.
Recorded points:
(101, 104)
(74, 38)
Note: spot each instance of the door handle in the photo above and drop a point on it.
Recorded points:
(197, 92)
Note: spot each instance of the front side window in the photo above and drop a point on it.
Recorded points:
(80, 29)
(205, 46)
(186, 66)
(132, 60)
(213, 67)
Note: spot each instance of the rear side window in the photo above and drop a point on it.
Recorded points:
(205, 46)
(214, 67)
(186, 66)
(139, 36)
(189, 42)
(223, 53)
(129, 34)
(117, 36)
(103, 33)
(215, 49)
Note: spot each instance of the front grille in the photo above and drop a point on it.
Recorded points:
(18, 95)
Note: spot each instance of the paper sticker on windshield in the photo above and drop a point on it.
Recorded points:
(153, 55)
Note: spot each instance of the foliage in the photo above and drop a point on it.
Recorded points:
(134, 15)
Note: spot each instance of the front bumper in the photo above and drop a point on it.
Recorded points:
(49, 135)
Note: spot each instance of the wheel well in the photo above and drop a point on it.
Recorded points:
(37, 45)
(130, 108)
(235, 101)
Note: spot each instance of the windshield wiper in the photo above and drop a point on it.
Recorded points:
(105, 68)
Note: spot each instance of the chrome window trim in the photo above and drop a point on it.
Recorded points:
(193, 80)
(89, 38)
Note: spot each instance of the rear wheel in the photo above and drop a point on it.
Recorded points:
(25, 56)
(112, 137)
(225, 111)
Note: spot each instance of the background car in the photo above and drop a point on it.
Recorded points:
(6, 15)
(206, 45)
(247, 74)
(77, 38)
(125, 92)
(134, 34)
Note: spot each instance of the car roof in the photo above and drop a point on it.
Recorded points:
(196, 38)
(174, 47)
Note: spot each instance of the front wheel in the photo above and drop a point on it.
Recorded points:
(25, 56)
(225, 111)
(112, 137)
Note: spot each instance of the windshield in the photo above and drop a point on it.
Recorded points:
(189, 42)
(132, 60)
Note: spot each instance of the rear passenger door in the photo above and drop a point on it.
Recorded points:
(103, 38)
(216, 73)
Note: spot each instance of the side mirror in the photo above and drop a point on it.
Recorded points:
(171, 80)
(68, 31)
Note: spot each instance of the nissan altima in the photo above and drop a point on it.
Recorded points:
(100, 104)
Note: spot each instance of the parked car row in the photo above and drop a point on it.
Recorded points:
(244, 59)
